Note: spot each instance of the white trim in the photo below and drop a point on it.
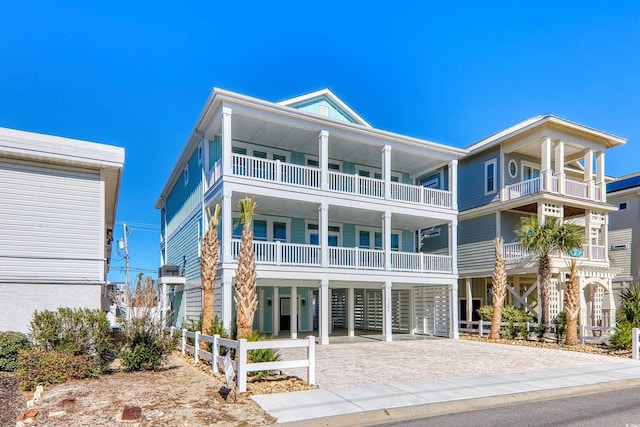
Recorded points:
(515, 163)
(493, 162)
(185, 175)
(372, 238)
(308, 232)
(200, 154)
(531, 165)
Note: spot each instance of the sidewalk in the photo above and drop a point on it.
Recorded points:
(362, 378)
(359, 399)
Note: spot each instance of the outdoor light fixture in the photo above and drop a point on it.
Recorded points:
(269, 302)
(303, 302)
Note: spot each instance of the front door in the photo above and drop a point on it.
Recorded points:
(285, 314)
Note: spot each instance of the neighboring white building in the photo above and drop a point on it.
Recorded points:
(58, 200)
(342, 212)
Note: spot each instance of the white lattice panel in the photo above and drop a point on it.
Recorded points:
(554, 299)
(549, 209)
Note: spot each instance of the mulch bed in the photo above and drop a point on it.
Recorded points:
(12, 400)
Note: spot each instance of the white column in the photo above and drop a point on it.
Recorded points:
(165, 305)
(560, 166)
(453, 183)
(323, 159)
(546, 172)
(351, 311)
(386, 170)
(227, 299)
(294, 313)
(455, 334)
(469, 300)
(453, 245)
(323, 233)
(227, 227)
(205, 154)
(600, 176)
(226, 141)
(325, 303)
(386, 239)
(605, 239)
(588, 172)
(386, 311)
(276, 311)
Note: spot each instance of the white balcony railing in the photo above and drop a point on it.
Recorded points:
(359, 258)
(420, 262)
(305, 176)
(356, 184)
(535, 185)
(511, 251)
(281, 253)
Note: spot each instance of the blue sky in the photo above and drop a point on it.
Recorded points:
(137, 76)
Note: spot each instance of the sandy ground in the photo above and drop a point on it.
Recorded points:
(178, 395)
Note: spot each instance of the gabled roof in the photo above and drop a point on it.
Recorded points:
(624, 182)
(538, 121)
(326, 94)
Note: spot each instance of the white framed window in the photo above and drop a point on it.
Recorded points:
(313, 237)
(200, 155)
(266, 229)
(513, 168)
(311, 160)
(432, 180)
(260, 151)
(185, 175)
(371, 238)
(530, 170)
(490, 176)
(370, 172)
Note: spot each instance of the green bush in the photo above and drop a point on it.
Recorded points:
(622, 337)
(561, 325)
(77, 331)
(629, 310)
(49, 367)
(509, 314)
(144, 344)
(10, 344)
(261, 355)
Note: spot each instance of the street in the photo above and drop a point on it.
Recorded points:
(611, 408)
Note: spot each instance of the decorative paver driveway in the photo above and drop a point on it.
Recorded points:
(359, 363)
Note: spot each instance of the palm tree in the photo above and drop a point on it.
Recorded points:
(208, 269)
(542, 239)
(572, 305)
(246, 297)
(499, 288)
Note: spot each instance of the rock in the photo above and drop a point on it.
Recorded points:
(38, 393)
(57, 414)
(31, 403)
(131, 413)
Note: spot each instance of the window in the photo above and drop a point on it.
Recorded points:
(530, 171)
(199, 155)
(313, 239)
(280, 231)
(490, 176)
(259, 230)
(622, 206)
(313, 161)
(513, 168)
(369, 239)
(185, 175)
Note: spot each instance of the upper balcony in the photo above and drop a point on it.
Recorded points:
(559, 185)
(305, 255)
(515, 251)
(311, 177)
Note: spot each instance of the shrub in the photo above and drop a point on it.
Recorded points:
(629, 310)
(261, 355)
(622, 337)
(49, 367)
(561, 325)
(77, 331)
(144, 344)
(10, 344)
(509, 314)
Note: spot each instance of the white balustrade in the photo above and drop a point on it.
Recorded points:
(420, 262)
(597, 253)
(369, 259)
(422, 195)
(356, 184)
(282, 253)
(522, 188)
(576, 189)
(275, 170)
(514, 251)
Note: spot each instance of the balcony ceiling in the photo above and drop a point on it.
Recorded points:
(572, 151)
(286, 137)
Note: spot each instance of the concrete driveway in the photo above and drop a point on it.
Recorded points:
(361, 363)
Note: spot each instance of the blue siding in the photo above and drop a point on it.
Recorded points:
(471, 180)
(334, 112)
(518, 158)
(477, 229)
(348, 235)
(297, 158)
(184, 199)
(407, 241)
(184, 243)
(304, 309)
(509, 223)
(298, 232)
(436, 243)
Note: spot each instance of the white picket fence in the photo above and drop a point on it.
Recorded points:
(587, 335)
(242, 365)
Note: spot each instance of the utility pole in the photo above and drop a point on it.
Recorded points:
(126, 256)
